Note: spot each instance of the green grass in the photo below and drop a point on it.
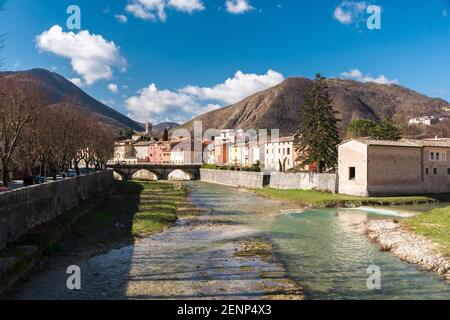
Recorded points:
(319, 199)
(435, 225)
(157, 207)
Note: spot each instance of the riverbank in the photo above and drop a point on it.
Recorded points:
(124, 213)
(410, 246)
(319, 199)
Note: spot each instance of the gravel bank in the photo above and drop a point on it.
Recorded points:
(408, 246)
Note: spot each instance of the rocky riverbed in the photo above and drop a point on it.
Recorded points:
(408, 246)
(203, 256)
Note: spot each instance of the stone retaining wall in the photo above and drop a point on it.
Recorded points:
(254, 180)
(305, 181)
(25, 208)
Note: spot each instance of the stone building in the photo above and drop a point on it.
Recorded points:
(379, 168)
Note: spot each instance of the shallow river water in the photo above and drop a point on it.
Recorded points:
(325, 253)
(322, 250)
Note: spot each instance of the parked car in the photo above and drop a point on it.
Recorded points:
(28, 181)
(71, 173)
(3, 188)
(39, 179)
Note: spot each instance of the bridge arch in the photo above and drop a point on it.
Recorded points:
(118, 176)
(180, 175)
(145, 175)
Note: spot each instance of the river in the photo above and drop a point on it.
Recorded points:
(322, 250)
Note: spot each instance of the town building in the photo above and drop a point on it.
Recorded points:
(222, 145)
(160, 152)
(280, 151)
(142, 151)
(124, 151)
(379, 168)
(192, 152)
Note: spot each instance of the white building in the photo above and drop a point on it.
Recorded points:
(141, 150)
(279, 151)
(425, 121)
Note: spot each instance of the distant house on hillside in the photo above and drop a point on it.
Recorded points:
(425, 121)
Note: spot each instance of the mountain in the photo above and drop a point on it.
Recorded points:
(57, 89)
(158, 129)
(278, 107)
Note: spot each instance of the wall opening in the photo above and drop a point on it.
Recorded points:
(352, 173)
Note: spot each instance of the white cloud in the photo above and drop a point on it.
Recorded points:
(113, 88)
(355, 74)
(121, 18)
(349, 12)
(152, 104)
(238, 6)
(156, 9)
(235, 89)
(188, 6)
(91, 56)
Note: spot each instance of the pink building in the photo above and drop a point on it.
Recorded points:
(159, 152)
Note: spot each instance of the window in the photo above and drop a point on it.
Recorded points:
(435, 172)
(352, 173)
(437, 156)
(288, 151)
(427, 171)
(431, 155)
(448, 171)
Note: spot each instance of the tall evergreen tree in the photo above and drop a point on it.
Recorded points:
(165, 136)
(318, 132)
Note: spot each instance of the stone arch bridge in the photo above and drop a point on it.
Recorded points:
(159, 171)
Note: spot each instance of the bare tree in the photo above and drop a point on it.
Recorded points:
(18, 105)
(71, 136)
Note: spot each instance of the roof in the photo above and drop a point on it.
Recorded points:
(143, 143)
(439, 142)
(277, 140)
(385, 143)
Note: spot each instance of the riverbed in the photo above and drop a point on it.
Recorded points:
(323, 251)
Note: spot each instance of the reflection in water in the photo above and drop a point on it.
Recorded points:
(325, 250)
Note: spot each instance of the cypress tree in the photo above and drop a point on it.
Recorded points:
(318, 133)
(165, 136)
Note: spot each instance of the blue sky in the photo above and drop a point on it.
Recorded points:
(164, 60)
